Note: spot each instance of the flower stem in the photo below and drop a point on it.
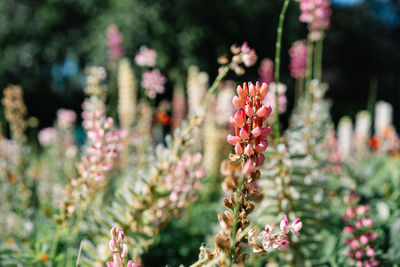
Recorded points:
(224, 71)
(310, 50)
(278, 46)
(318, 59)
(55, 245)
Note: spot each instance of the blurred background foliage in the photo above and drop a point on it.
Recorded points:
(45, 44)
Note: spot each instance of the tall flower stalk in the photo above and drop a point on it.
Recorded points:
(249, 141)
(101, 150)
(278, 46)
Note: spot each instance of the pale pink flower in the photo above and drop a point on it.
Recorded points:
(298, 59)
(47, 136)
(146, 57)
(114, 40)
(154, 83)
(277, 240)
(316, 13)
(66, 118)
(266, 71)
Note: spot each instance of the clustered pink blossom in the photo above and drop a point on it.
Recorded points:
(250, 138)
(65, 118)
(270, 98)
(241, 55)
(154, 83)
(104, 143)
(47, 136)
(119, 249)
(146, 57)
(359, 229)
(317, 14)
(114, 40)
(266, 71)
(249, 56)
(183, 179)
(277, 240)
(298, 59)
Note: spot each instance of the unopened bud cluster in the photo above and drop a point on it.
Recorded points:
(250, 138)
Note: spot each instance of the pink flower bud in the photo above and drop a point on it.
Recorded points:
(240, 117)
(114, 231)
(364, 239)
(359, 254)
(233, 140)
(111, 245)
(266, 131)
(238, 102)
(248, 150)
(358, 224)
(110, 264)
(244, 134)
(348, 229)
(249, 110)
(262, 146)
(117, 259)
(372, 236)
(256, 132)
(108, 124)
(350, 213)
(120, 235)
(370, 252)
(248, 167)
(262, 112)
(260, 159)
(361, 209)
(269, 110)
(241, 93)
(124, 251)
(264, 89)
(233, 122)
(238, 149)
(367, 222)
(354, 244)
(245, 89)
(252, 90)
(284, 225)
(297, 225)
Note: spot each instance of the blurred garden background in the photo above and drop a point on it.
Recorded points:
(313, 162)
(46, 44)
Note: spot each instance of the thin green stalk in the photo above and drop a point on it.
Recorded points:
(224, 71)
(55, 245)
(310, 50)
(318, 59)
(298, 90)
(79, 254)
(278, 46)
